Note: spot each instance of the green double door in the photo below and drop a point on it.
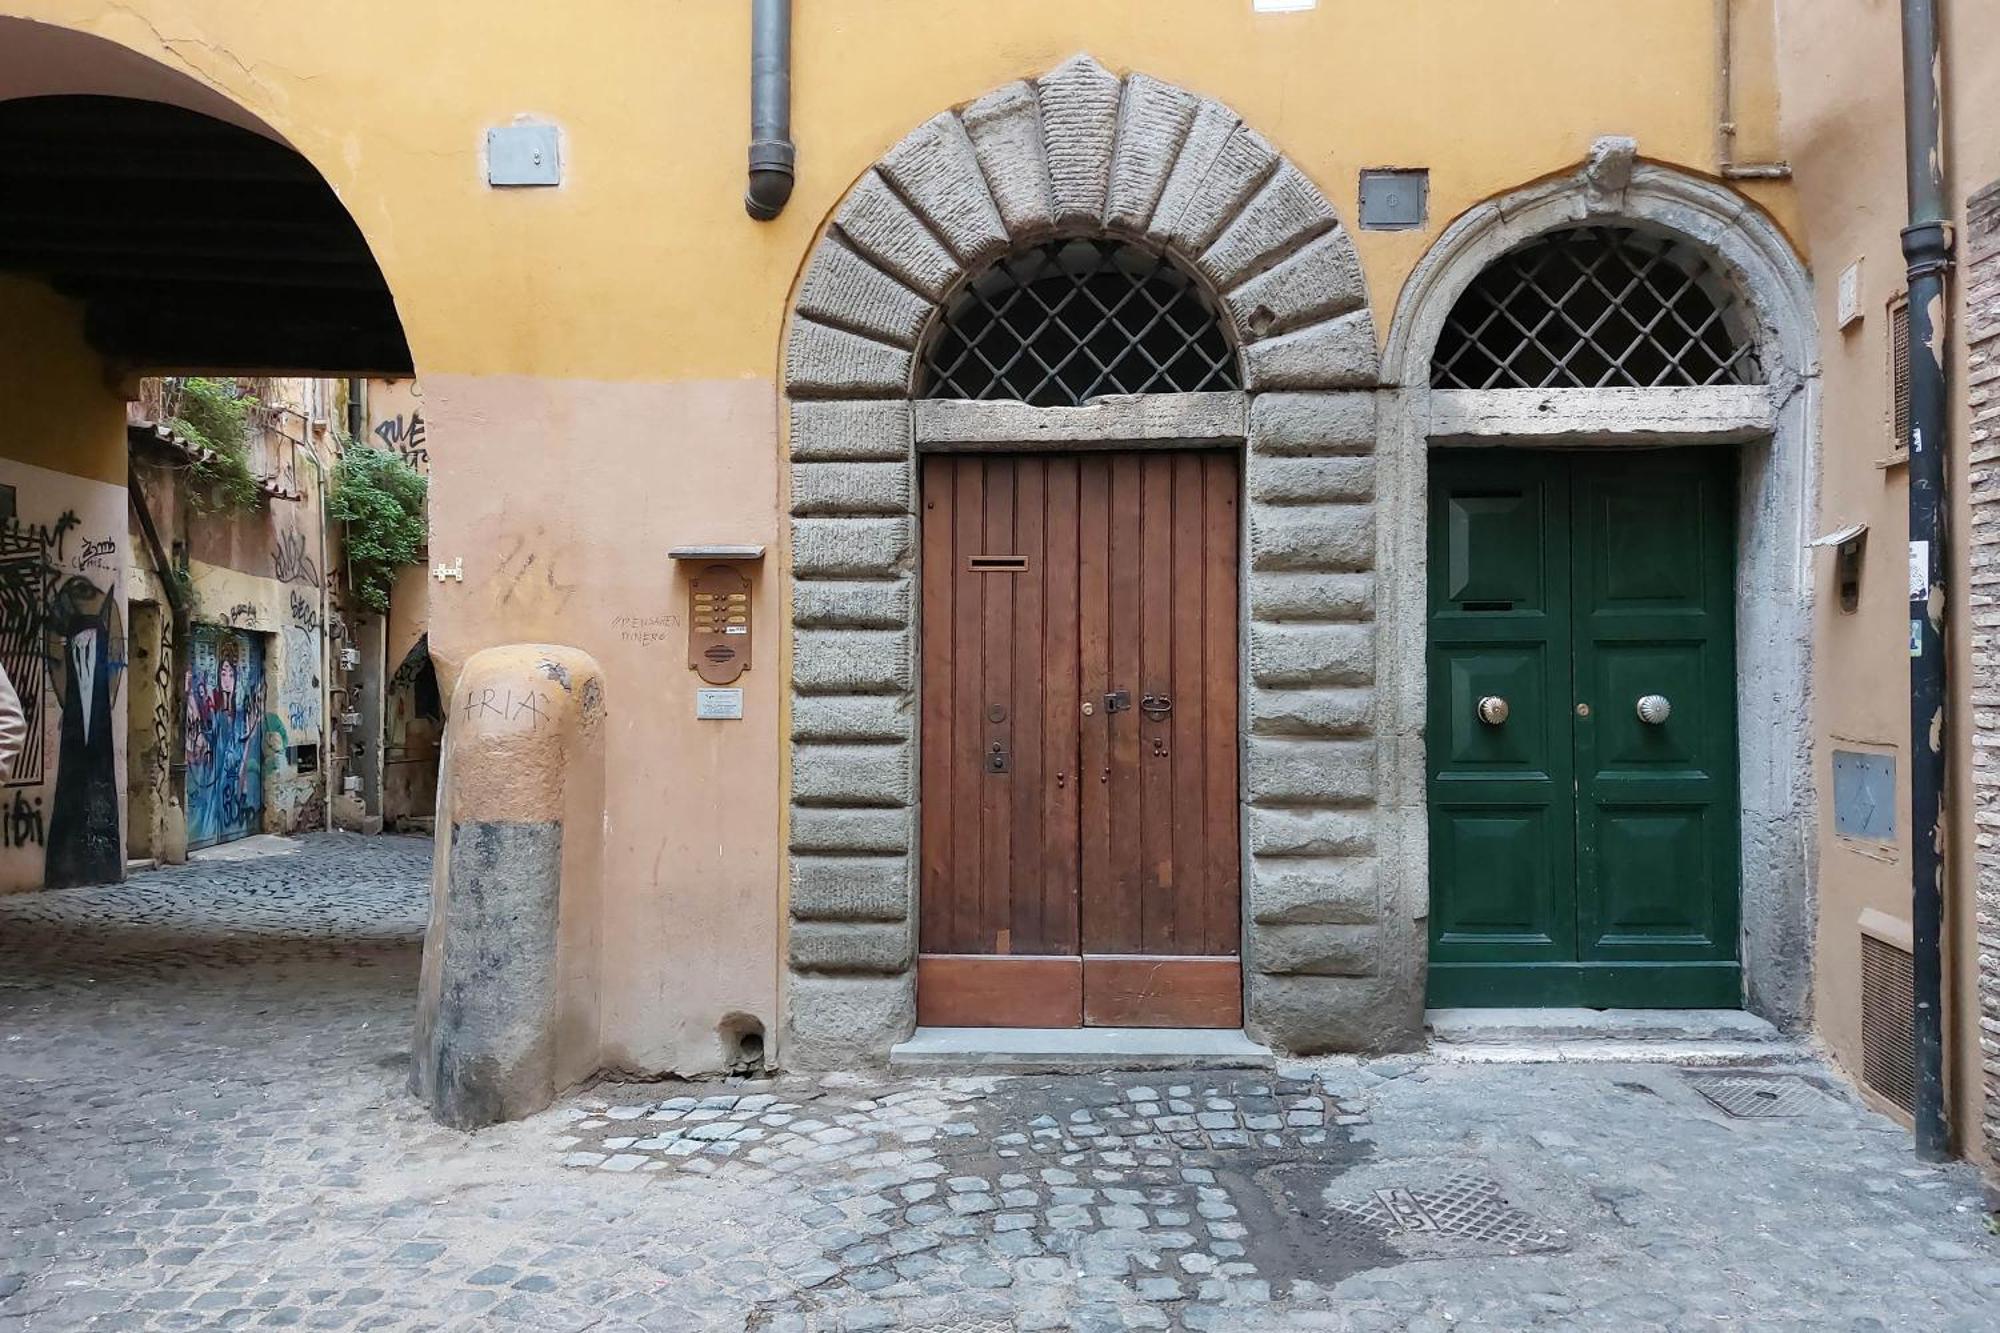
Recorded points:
(1581, 728)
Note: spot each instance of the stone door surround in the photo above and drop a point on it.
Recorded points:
(1083, 151)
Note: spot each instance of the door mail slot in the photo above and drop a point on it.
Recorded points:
(997, 564)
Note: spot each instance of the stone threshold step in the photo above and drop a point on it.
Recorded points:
(1487, 1027)
(1077, 1050)
(1708, 1037)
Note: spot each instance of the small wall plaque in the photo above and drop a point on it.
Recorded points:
(1395, 199)
(518, 155)
(723, 705)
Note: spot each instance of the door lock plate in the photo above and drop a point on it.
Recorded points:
(1118, 701)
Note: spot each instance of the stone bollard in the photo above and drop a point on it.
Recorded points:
(507, 1010)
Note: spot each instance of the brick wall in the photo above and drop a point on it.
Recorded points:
(1982, 385)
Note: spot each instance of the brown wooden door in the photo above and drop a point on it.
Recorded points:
(1079, 769)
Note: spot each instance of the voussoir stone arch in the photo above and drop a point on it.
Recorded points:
(1082, 151)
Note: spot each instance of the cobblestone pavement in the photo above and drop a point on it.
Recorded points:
(203, 1125)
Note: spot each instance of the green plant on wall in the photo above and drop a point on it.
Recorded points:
(214, 416)
(380, 498)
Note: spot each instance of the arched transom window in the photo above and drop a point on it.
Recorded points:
(1597, 307)
(1062, 323)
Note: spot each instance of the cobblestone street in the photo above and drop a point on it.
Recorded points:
(205, 1125)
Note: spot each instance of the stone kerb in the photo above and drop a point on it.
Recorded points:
(1082, 151)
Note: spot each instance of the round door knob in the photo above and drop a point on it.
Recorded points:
(1654, 709)
(1492, 710)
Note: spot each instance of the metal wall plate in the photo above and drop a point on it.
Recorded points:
(1395, 199)
(1864, 795)
(523, 155)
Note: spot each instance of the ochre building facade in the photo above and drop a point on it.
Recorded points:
(1180, 585)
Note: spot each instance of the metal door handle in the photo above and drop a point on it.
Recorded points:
(1653, 709)
(1493, 710)
(1156, 706)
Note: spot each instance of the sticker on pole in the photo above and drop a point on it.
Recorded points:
(1920, 571)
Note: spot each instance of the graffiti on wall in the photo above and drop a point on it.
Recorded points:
(403, 435)
(62, 642)
(397, 410)
(225, 734)
(298, 688)
(291, 562)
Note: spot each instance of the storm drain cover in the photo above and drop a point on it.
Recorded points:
(1465, 1207)
(1758, 1097)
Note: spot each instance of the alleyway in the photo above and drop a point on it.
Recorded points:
(201, 1097)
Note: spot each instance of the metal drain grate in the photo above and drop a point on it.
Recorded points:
(1758, 1097)
(1466, 1207)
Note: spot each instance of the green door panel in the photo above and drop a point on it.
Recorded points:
(1580, 854)
(1502, 864)
(1654, 614)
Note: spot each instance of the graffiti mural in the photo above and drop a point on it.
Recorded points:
(225, 734)
(62, 642)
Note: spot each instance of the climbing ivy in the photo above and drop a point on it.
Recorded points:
(381, 500)
(214, 416)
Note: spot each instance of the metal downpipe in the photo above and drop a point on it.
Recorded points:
(1927, 252)
(771, 150)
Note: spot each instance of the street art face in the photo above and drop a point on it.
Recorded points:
(225, 734)
(62, 642)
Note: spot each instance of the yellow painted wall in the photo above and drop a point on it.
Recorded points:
(643, 266)
(1843, 131)
(599, 360)
(61, 412)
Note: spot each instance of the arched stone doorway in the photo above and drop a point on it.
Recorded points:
(1082, 152)
(1770, 428)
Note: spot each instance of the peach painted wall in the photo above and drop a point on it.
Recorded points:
(563, 514)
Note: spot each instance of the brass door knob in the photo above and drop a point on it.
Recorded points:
(1653, 709)
(1492, 710)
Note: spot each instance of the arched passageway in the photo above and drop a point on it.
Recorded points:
(186, 312)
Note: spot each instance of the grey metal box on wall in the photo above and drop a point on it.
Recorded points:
(1864, 795)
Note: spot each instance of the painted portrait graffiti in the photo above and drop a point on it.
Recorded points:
(225, 719)
(85, 634)
(62, 641)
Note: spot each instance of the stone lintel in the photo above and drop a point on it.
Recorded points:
(1121, 421)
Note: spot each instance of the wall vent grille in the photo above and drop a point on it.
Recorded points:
(1888, 1022)
(1899, 375)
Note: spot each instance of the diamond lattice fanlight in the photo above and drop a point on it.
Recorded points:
(1068, 321)
(1595, 307)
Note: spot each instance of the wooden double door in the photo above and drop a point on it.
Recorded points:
(1079, 834)
(1581, 731)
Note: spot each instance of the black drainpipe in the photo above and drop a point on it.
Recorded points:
(1927, 251)
(771, 150)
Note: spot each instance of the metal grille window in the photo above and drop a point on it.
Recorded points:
(1069, 321)
(1596, 307)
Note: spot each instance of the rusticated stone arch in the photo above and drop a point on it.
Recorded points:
(1082, 151)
